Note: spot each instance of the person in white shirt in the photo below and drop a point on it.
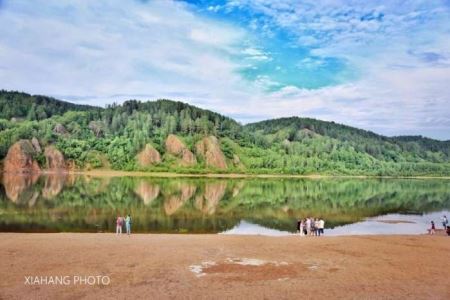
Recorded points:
(321, 226)
(444, 222)
(308, 226)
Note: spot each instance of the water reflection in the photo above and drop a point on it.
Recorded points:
(60, 202)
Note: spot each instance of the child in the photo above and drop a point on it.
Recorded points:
(432, 229)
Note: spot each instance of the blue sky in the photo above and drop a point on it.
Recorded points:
(378, 65)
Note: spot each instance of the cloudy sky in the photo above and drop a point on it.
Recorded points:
(378, 65)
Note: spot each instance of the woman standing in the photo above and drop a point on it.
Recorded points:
(119, 224)
(128, 224)
(302, 227)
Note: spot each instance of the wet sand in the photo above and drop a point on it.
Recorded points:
(160, 266)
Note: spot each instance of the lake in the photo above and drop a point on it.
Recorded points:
(75, 203)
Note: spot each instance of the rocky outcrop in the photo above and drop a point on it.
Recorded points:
(36, 145)
(59, 129)
(147, 191)
(209, 149)
(20, 158)
(177, 148)
(55, 159)
(97, 128)
(149, 156)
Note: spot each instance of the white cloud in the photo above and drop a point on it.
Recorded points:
(102, 51)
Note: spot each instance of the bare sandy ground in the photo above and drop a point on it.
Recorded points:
(153, 266)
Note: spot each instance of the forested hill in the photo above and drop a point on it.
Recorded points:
(34, 107)
(165, 135)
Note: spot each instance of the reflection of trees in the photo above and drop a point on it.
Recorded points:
(214, 192)
(147, 191)
(208, 205)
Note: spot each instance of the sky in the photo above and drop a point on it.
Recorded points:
(382, 66)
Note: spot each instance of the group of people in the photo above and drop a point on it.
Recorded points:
(444, 221)
(123, 220)
(310, 226)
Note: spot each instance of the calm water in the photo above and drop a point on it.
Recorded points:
(59, 203)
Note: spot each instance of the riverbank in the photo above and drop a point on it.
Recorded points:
(116, 173)
(218, 266)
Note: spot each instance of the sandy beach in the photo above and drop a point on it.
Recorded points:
(160, 266)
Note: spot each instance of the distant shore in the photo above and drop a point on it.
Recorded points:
(190, 266)
(117, 173)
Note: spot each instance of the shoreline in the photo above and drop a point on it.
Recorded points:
(117, 173)
(226, 266)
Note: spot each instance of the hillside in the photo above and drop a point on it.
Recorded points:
(165, 135)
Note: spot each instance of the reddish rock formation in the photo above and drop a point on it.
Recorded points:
(20, 158)
(176, 147)
(55, 159)
(59, 129)
(149, 156)
(36, 145)
(209, 149)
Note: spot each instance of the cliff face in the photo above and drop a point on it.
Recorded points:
(209, 149)
(55, 159)
(20, 158)
(149, 156)
(176, 147)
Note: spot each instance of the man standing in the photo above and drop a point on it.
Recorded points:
(444, 222)
(321, 226)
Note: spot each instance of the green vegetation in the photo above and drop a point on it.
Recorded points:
(111, 137)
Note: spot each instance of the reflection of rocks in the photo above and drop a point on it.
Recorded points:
(54, 183)
(20, 158)
(95, 185)
(237, 188)
(214, 192)
(147, 191)
(18, 188)
(175, 200)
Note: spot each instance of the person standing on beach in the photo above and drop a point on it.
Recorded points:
(444, 222)
(321, 226)
(308, 226)
(128, 224)
(432, 229)
(302, 227)
(316, 226)
(298, 225)
(119, 224)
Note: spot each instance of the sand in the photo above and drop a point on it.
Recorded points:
(160, 266)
